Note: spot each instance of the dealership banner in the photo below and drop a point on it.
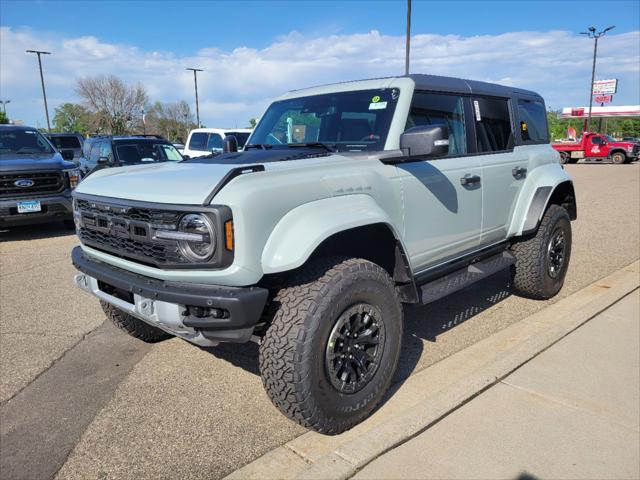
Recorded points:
(605, 87)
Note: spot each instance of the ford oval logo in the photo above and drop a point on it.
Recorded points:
(24, 182)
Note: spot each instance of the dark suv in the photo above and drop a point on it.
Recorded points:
(35, 181)
(112, 151)
(68, 143)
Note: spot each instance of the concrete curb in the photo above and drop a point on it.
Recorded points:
(432, 394)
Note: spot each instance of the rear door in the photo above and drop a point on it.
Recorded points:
(442, 196)
(503, 166)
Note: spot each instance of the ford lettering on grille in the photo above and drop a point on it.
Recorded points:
(24, 182)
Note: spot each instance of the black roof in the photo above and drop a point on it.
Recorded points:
(459, 85)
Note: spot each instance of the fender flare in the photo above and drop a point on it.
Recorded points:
(298, 233)
(543, 185)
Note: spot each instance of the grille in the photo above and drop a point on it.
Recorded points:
(147, 252)
(636, 149)
(43, 182)
(127, 231)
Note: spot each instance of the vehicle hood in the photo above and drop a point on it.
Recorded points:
(184, 183)
(32, 163)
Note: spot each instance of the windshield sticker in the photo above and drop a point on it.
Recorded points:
(476, 106)
(375, 99)
(378, 106)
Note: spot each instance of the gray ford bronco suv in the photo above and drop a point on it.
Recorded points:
(348, 201)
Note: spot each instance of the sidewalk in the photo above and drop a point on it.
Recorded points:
(571, 412)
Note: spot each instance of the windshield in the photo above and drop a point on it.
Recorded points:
(143, 152)
(23, 142)
(65, 142)
(352, 121)
(241, 137)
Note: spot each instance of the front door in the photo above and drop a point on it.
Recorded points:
(443, 196)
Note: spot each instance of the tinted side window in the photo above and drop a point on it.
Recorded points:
(198, 141)
(433, 108)
(215, 141)
(493, 124)
(596, 140)
(533, 121)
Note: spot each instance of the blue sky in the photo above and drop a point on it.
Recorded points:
(253, 51)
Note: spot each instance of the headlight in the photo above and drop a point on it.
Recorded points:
(74, 177)
(198, 240)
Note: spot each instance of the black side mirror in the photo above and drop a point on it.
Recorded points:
(425, 140)
(67, 154)
(230, 144)
(104, 161)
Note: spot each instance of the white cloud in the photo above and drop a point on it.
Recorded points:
(238, 84)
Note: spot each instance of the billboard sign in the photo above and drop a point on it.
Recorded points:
(605, 87)
(603, 99)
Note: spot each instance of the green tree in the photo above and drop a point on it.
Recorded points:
(71, 117)
(252, 123)
(3, 118)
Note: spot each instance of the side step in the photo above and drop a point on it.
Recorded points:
(443, 286)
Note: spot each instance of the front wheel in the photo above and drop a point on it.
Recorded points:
(619, 158)
(542, 260)
(333, 343)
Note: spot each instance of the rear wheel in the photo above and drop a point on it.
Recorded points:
(542, 260)
(333, 343)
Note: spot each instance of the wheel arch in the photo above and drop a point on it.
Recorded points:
(547, 185)
(352, 226)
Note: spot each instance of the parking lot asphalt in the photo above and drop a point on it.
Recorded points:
(202, 413)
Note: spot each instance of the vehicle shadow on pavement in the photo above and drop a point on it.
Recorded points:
(35, 232)
(427, 322)
(423, 322)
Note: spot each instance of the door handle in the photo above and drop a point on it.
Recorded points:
(469, 179)
(519, 172)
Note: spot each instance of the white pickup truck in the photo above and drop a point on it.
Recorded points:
(204, 141)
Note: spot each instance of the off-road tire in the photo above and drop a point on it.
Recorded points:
(530, 274)
(132, 325)
(293, 352)
(619, 158)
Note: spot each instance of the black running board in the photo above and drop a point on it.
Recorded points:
(443, 286)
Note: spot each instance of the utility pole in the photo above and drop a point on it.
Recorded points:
(195, 81)
(408, 44)
(591, 33)
(44, 93)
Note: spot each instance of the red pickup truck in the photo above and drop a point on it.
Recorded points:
(594, 146)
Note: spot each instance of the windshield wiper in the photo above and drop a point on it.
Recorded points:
(258, 146)
(327, 147)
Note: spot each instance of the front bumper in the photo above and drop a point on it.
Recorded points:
(202, 314)
(54, 208)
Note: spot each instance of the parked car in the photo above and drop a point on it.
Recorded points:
(109, 151)
(204, 141)
(347, 201)
(631, 139)
(68, 142)
(597, 147)
(35, 181)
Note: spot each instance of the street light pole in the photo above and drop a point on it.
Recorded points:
(591, 33)
(44, 93)
(408, 41)
(195, 81)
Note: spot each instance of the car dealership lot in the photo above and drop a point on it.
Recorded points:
(195, 413)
